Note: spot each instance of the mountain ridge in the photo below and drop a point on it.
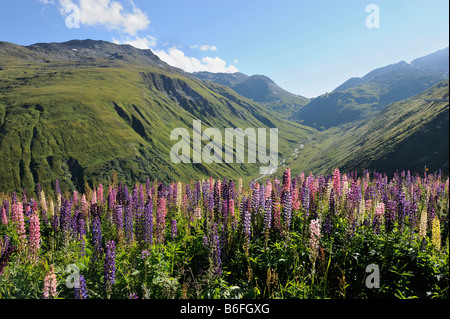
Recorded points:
(360, 98)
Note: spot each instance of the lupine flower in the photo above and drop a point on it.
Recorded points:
(161, 219)
(118, 217)
(390, 214)
(337, 182)
(100, 194)
(295, 199)
(327, 226)
(247, 226)
(277, 216)
(231, 209)
(128, 223)
(148, 223)
(145, 253)
(110, 266)
(81, 292)
(314, 241)
(50, 284)
(4, 217)
(6, 251)
(34, 237)
(436, 233)
(287, 211)
(20, 225)
(379, 212)
(268, 191)
(268, 216)
(133, 295)
(174, 228)
(423, 224)
(97, 236)
(286, 182)
(213, 242)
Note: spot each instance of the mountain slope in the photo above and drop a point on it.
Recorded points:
(81, 110)
(409, 135)
(359, 98)
(260, 89)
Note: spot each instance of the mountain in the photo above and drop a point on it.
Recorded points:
(87, 111)
(408, 135)
(260, 89)
(360, 98)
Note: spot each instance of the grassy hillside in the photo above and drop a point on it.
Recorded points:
(260, 89)
(82, 110)
(408, 135)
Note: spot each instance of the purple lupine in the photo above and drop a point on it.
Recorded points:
(4, 218)
(214, 246)
(110, 267)
(81, 291)
(97, 236)
(232, 191)
(6, 207)
(128, 223)
(118, 218)
(287, 210)
(268, 216)
(148, 222)
(247, 226)
(174, 229)
(6, 252)
(305, 200)
(205, 195)
(390, 214)
(327, 225)
(255, 199)
(402, 208)
(197, 193)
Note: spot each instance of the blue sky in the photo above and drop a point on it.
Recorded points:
(307, 47)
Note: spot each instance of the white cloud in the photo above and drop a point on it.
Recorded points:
(204, 47)
(177, 58)
(47, 1)
(109, 14)
(141, 43)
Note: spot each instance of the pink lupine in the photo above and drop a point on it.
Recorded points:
(295, 199)
(231, 208)
(20, 224)
(75, 197)
(277, 216)
(15, 207)
(268, 191)
(94, 197)
(84, 207)
(100, 194)
(287, 180)
(34, 237)
(161, 218)
(337, 182)
(50, 284)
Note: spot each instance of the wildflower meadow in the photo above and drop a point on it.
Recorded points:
(304, 236)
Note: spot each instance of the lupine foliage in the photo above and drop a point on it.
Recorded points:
(306, 237)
